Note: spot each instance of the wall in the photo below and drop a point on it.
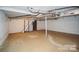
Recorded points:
(17, 25)
(40, 25)
(65, 24)
(3, 27)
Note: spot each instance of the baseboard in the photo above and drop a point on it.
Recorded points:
(64, 33)
(16, 32)
(49, 30)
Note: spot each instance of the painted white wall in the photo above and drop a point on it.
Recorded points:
(40, 25)
(65, 24)
(3, 27)
(17, 25)
(30, 25)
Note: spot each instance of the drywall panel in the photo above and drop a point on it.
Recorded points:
(40, 25)
(30, 25)
(17, 25)
(65, 24)
(3, 27)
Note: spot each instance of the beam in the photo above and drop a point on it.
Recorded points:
(66, 7)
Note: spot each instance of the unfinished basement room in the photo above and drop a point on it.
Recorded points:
(39, 28)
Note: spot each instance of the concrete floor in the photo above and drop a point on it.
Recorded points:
(36, 42)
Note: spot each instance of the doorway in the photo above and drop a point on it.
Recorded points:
(35, 25)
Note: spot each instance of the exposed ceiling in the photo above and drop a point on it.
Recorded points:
(13, 11)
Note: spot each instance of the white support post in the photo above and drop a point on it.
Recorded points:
(46, 27)
(24, 25)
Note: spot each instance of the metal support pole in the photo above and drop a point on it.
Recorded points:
(46, 27)
(28, 25)
(24, 25)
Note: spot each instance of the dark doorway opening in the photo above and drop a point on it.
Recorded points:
(35, 25)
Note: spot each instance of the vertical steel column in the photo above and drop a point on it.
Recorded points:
(46, 27)
(28, 25)
(24, 25)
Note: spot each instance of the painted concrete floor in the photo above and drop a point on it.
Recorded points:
(36, 42)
